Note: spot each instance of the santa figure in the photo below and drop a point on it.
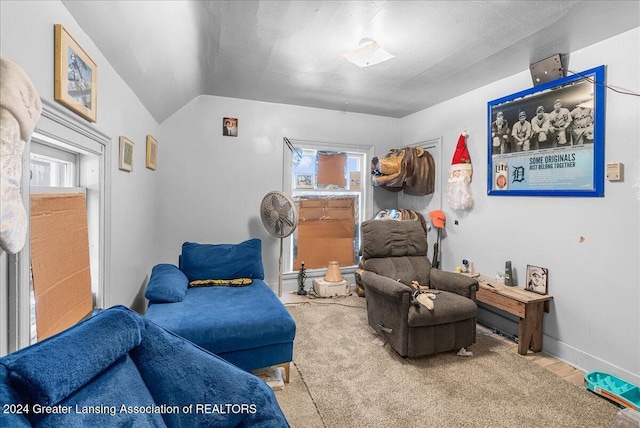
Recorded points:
(458, 185)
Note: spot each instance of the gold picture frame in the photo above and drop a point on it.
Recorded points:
(75, 76)
(152, 152)
(126, 154)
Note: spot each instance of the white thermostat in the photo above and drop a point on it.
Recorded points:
(614, 171)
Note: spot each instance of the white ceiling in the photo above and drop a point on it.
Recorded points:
(170, 52)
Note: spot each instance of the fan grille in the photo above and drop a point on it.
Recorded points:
(278, 213)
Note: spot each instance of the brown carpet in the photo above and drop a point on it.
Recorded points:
(342, 378)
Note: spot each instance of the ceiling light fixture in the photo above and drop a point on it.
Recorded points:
(368, 53)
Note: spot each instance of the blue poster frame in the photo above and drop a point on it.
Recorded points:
(552, 165)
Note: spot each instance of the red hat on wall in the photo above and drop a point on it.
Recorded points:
(461, 159)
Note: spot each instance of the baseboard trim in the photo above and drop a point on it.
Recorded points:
(508, 325)
(584, 361)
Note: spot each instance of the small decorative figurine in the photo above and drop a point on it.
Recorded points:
(302, 276)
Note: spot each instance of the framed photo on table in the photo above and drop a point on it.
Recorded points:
(549, 140)
(537, 279)
(75, 76)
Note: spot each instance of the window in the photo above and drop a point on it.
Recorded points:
(58, 176)
(68, 157)
(52, 167)
(327, 183)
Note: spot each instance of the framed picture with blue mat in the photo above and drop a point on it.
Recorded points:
(549, 140)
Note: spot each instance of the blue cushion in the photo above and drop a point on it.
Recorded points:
(50, 370)
(222, 261)
(187, 375)
(167, 284)
(15, 418)
(224, 319)
(103, 399)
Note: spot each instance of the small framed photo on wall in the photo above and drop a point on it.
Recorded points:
(230, 127)
(126, 154)
(76, 76)
(537, 279)
(304, 181)
(152, 152)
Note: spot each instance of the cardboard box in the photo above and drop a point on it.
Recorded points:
(326, 230)
(60, 261)
(342, 228)
(306, 214)
(313, 203)
(339, 213)
(319, 250)
(331, 169)
(340, 203)
(322, 240)
(326, 208)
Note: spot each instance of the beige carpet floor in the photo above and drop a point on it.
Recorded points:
(343, 377)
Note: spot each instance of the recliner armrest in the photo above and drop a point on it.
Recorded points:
(454, 282)
(384, 285)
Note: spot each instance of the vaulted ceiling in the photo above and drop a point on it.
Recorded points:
(170, 52)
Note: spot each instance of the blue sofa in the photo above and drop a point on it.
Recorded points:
(246, 325)
(120, 369)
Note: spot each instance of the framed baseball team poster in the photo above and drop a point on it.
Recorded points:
(549, 140)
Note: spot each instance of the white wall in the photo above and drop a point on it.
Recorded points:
(212, 185)
(27, 39)
(208, 187)
(594, 321)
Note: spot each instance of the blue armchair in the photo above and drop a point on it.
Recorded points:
(120, 369)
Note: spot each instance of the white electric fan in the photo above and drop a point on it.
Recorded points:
(280, 218)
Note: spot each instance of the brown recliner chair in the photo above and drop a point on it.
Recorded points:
(395, 254)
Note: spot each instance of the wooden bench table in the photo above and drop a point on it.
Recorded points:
(526, 305)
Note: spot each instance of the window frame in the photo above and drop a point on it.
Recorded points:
(56, 124)
(53, 152)
(365, 210)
